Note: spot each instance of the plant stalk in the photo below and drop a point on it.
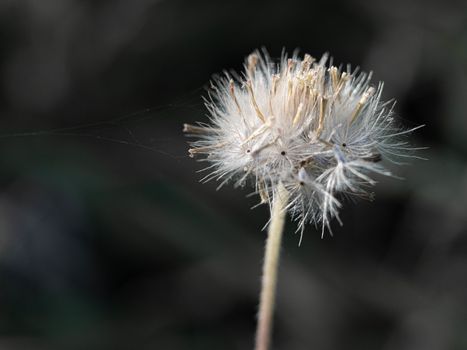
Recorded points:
(270, 268)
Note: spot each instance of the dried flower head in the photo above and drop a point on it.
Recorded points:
(316, 128)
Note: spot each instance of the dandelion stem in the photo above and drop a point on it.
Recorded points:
(270, 268)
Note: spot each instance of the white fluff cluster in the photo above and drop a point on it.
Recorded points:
(317, 129)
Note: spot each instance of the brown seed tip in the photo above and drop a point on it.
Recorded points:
(193, 129)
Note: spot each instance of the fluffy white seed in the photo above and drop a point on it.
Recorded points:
(310, 126)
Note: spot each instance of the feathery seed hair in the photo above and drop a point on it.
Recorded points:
(316, 128)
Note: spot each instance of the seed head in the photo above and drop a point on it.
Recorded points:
(316, 128)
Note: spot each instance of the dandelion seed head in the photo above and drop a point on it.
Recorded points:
(319, 130)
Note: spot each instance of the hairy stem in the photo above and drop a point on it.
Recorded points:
(270, 267)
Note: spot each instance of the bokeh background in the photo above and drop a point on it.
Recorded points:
(108, 240)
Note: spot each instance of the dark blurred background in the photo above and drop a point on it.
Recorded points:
(108, 240)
